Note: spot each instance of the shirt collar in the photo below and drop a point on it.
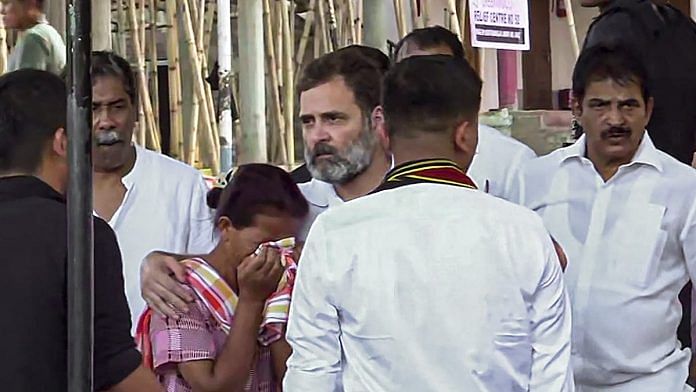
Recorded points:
(20, 187)
(647, 153)
(132, 176)
(322, 194)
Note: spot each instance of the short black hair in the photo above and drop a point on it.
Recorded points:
(258, 188)
(618, 62)
(381, 60)
(438, 102)
(361, 73)
(109, 64)
(430, 37)
(32, 108)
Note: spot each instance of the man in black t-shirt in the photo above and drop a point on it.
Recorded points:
(33, 236)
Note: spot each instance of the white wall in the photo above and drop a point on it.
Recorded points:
(562, 57)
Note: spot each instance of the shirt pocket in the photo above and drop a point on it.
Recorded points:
(635, 245)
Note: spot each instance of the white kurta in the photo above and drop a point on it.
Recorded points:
(429, 288)
(631, 244)
(164, 209)
(497, 161)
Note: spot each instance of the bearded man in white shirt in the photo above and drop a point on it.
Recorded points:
(465, 294)
(151, 201)
(625, 213)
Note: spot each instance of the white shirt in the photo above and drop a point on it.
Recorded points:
(39, 47)
(497, 161)
(631, 244)
(320, 196)
(429, 288)
(164, 209)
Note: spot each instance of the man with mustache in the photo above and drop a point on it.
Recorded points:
(625, 213)
(151, 201)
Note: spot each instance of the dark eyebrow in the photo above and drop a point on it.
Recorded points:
(598, 101)
(630, 102)
(334, 114)
(110, 103)
(306, 117)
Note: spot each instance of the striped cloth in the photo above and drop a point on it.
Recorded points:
(221, 300)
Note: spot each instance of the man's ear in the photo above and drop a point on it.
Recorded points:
(576, 106)
(465, 137)
(380, 127)
(59, 144)
(649, 109)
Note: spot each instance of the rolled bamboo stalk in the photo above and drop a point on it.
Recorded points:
(199, 86)
(273, 86)
(571, 26)
(176, 119)
(154, 83)
(353, 33)
(453, 18)
(149, 127)
(3, 47)
(288, 90)
(277, 26)
(309, 22)
(142, 28)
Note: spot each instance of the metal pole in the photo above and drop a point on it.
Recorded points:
(80, 229)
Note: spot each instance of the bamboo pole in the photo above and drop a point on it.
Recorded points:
(226, 126)
(199, 86)
(454, 19)
(462, 20)
(289, 93)
(425, 13)
(400, 18)
(207, 29)
(154, 82)
(333, 33)
(417, 21)
(358, 24)
(175, 95)
(323, 28)
(122, 27)
(353, 33)
(273, 86)
(571, 26)
(3, 47)
(148, 125)
(142, 28)
(309, 22)
(277, 29)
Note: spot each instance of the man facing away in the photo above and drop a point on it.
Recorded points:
(625, 213)
(497, 156)
(33, 237)
(151, 201)
(428, 284)
(39, 45)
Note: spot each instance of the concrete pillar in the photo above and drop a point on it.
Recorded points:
(252, 88)
(379, 18)
(101, 25)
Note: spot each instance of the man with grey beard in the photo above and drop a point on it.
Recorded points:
(339, 96)
(345, 154)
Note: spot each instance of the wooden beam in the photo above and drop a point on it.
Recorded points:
(536, 63)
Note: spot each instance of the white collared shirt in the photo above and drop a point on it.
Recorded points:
(320, 196)
(429, 288)
(497, 161)
(631, 244)
(164, 209)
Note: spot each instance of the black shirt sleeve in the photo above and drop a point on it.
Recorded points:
(115, 354)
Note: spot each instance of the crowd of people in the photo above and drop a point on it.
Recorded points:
(426, 252)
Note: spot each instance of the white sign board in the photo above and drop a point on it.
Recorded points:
(499, 24)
